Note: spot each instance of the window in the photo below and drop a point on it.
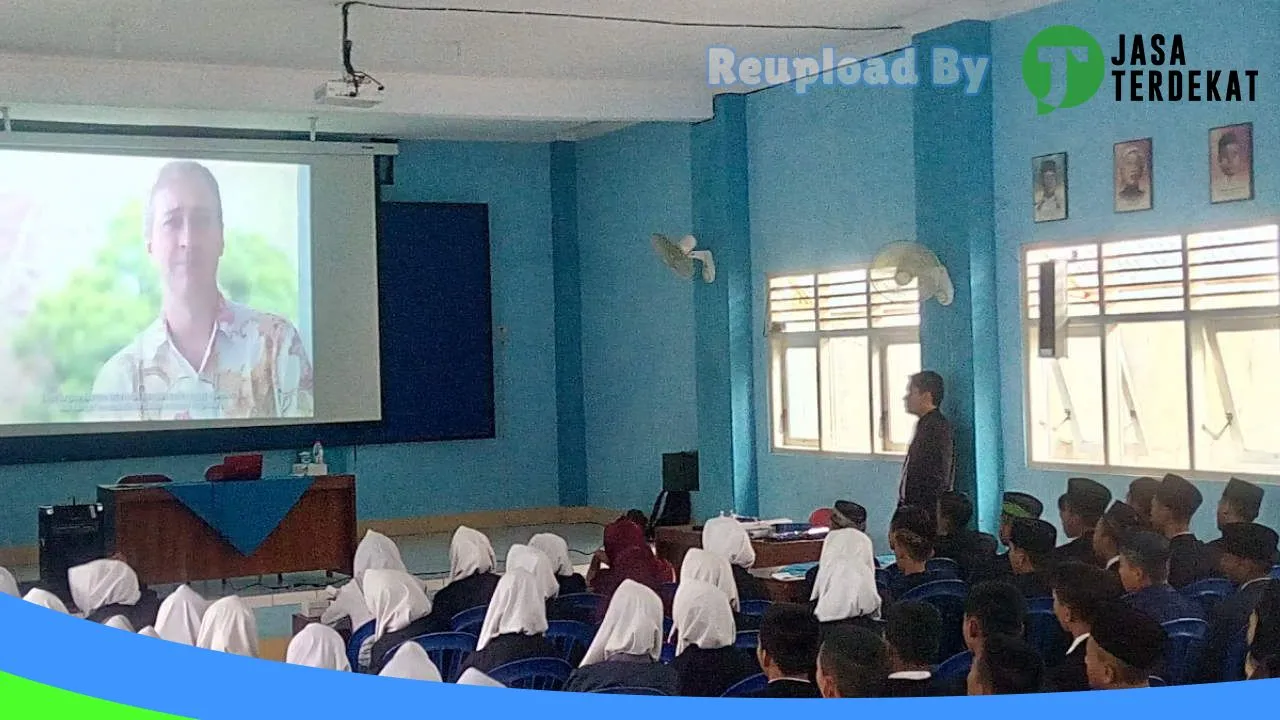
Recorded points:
(1171, 354)
(842, 346)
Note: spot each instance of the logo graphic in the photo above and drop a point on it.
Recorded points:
(1063, 67)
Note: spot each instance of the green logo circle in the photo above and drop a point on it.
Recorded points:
(1063, 67)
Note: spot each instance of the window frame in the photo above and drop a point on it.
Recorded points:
(780, 440)
(1193, 321)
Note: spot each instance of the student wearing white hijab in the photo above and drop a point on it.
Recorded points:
(180, 614)
(515, 625)
(627, 646)
(726, 537)
(538, 564)
(471, 577)
(845, 588)
(318, 646)
(707, 663)
(44, 598)
(411, 662)
(376, 552)
(557, 550)
(8, 584)
(119, 622)
(401, 611)
(102, 589)
(229, 626)
(699, 564)
(150, 632)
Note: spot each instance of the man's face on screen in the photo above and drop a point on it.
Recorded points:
(186, 234)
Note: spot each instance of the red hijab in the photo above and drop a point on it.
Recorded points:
(630, 558)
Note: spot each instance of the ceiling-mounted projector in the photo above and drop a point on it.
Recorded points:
(350, 93)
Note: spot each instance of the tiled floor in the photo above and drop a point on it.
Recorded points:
(426, 556)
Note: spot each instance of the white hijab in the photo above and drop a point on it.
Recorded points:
(377, 552)
(8, 584)
(230, 627)
(632, 625)
(537, 563)
(410, 662)
(44, 598)
(179, 617)
(149, 631)
(395, 598)
(318, 646)
(847, 544)
(556, 550)
(701, 616)
(103, 582)
(472, 676)
(699, 564)
(725, 537)
(518, 606)
(470, 553)
(848, 590)
(348, 601)
(119, 622)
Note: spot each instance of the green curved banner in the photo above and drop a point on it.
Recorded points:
(21, 699)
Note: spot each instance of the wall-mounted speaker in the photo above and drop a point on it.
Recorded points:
(1053, 309)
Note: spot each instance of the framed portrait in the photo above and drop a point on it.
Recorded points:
(1049, 187)
(1231, 163)
(1134, 186)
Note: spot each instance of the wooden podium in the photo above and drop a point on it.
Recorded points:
(167, 543)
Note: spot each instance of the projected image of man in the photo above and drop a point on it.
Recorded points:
(204, 357)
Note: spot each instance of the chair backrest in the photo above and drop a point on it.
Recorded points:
(1209, 592)
(1040, 603)
(934, 588)
(447, 650)
(820, 517)
(1233, 658)
(945, 567)
(956, 666)
(947, 597)
(1275, 572)
(629, 691)
(469, 621)
(144, 479)
(571, 639)
(668, 653)
(358, 636)
(590, 603)
(748, 686)
(747, 640)
(533, 674)
(1183, 644)
(755, 607)
(1045, 634)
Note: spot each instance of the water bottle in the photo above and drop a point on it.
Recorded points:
(317, 453)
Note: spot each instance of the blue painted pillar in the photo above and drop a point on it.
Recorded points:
(955, 210)
(571, 444)
(726, 425)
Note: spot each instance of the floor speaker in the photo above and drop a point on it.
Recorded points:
(70, 535)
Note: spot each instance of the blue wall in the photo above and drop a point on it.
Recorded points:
(1217, 35)
(637, 316)
(831, 180)
(515, 470)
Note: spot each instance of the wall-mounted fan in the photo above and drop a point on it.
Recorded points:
(680, 257)
(899, 263)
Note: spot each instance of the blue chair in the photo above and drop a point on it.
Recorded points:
(668, 654)
(748, 640)
(1155, 681)
(1275, 572)
(533, 674)
(947, 597)
(1045, 634)
(1233, 658)
(590, 603)
(469, 621)
(667, 591)
(954, 667)
(754, 607)
(447, 650)
(1209, 592)
(944, 567)
(1182, 648)
(358, 636)
(1039, 604)
(629, 691)
(571, 639)
(748, 687)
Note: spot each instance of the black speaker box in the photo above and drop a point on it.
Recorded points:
(680, 471)
(70, 535)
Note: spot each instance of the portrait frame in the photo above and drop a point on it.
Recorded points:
(1131, 170)
(1225, 186)
(1041, 211)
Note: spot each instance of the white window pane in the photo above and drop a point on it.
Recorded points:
(1065, 402)
(1235, 366)
(846, 394)
(801, 378)
(901, 361)
(1147, 395)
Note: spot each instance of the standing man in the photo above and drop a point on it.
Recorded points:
(928, 470)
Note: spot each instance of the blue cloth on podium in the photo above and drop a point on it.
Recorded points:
(244, 513)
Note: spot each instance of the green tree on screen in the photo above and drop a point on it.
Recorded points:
(74, 330)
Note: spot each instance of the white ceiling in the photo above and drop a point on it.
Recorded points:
(255, 63)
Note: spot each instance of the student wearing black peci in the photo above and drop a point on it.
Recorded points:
(1175, 503)
(1248, 554)
(1080, 508)
(788, 652)
(1080, 592)
(912, 633)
